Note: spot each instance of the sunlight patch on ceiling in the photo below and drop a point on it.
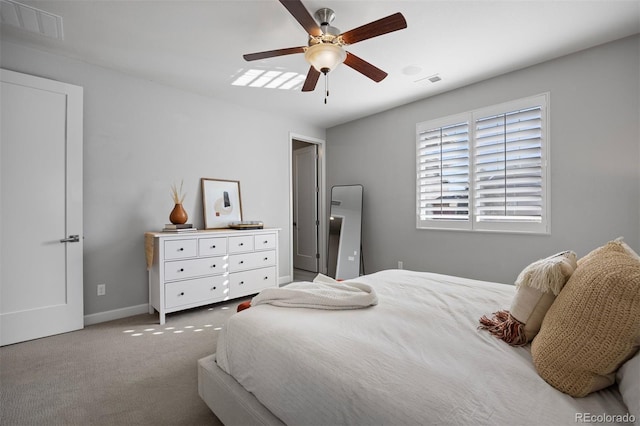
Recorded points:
(31, 19)
(269, 79)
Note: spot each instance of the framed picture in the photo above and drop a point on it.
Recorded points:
(221, 202)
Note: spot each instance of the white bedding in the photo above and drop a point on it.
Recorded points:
(415, 358)
(323, 293)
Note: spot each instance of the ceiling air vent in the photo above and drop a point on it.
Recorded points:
(432, 78)
(31, 19)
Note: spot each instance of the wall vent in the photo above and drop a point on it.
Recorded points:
(31, 19)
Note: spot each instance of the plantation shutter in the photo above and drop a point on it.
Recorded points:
(443, 172)
(508, 166)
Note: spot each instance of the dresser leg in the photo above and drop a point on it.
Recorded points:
(161, 318)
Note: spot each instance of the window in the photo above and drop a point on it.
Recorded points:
(485, 170)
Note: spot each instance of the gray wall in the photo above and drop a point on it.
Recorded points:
(139, 138)
(595, 167)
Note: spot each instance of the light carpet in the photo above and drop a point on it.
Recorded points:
(131, 371)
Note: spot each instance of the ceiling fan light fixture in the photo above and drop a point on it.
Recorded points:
(325, 57)
(324, 51)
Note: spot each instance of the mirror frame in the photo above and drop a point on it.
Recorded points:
(347, 250)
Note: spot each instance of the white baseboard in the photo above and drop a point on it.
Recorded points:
(140, 309)
(115, 314)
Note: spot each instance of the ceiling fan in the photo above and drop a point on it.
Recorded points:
(325, 49)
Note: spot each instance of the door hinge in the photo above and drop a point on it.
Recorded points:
(317, 255)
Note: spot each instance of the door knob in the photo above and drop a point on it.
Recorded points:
(71, 239)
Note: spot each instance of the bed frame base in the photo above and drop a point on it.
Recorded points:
(228, 400)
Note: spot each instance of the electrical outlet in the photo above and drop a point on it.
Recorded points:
(102, 289)
(400, 264)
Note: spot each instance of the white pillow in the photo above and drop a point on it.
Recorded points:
(628, 377)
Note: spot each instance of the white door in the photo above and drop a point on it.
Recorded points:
(40, 208)
(305, 208)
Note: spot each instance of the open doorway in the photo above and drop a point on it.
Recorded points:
(307, 209)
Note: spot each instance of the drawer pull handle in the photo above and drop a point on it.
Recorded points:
(182, 293)
(266, 278)
(241, 244)
(265, 242)
(266, 258)
(241, 282)
(213, 288)
(181, 249)
(181, 270)
(241, 262)
(213, 266)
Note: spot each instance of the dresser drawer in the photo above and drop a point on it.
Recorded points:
(240, 262)
(241, 244)
(212, 246)
(183, 269)
(180, 249)
(251, 282)
(194, 291)
(265, 241)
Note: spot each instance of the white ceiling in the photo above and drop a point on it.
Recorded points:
(198, 45)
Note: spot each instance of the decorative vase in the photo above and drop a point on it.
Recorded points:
(178, 215)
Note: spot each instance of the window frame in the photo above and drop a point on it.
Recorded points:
(472, 224)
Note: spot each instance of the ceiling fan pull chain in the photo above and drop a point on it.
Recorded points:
(326, 87)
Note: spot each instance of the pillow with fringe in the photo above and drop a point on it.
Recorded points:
(537, 287)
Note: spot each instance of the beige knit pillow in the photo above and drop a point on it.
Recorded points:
(593, 325)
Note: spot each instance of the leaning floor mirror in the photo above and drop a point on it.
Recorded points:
(345, 229)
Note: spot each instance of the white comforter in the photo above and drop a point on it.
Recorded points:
(416, 358)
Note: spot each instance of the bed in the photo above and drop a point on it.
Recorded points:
(416, 357)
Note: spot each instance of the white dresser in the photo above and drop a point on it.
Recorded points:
(203, 267)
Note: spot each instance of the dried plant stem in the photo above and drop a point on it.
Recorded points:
(177, 195)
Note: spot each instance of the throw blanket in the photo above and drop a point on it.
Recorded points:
(322, 293)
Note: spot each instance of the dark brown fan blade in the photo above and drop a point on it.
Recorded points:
(272, 53)
(312, 79)
(364, 67)
(297, 9)
(386, 25)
